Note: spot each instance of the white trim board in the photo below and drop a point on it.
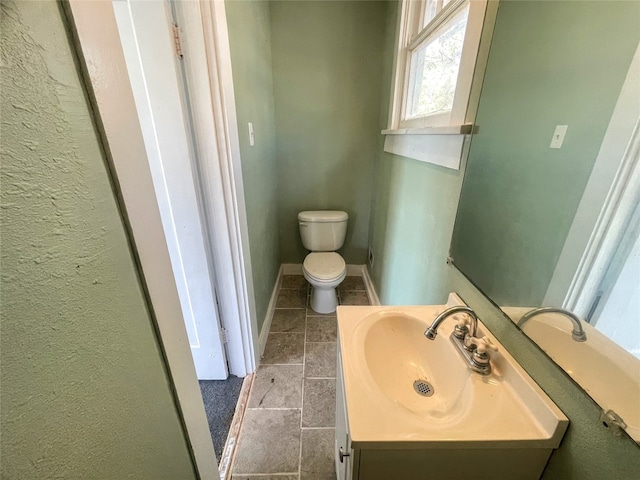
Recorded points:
(271, 309)
(207, 63)
(442, 150)
(371, 289)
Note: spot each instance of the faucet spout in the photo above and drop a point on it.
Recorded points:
(577, 333)
(432, 331)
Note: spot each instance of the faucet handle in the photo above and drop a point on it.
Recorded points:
(483, 344)
(462, 327)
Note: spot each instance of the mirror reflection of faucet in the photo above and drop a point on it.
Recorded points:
(577, 333)
(472, 348)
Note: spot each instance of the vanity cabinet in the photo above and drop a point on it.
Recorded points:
(345, 457)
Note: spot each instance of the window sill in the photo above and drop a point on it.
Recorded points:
(441, 146)
(465, 129)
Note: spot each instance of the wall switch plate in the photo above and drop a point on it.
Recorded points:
(252, 138)
(558, 136)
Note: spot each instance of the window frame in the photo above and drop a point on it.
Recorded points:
(411, 37)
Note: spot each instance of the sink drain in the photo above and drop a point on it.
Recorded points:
(423, 388)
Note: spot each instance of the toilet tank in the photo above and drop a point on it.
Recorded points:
(323, 230)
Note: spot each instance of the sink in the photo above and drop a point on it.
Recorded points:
(608, 373)
(383, 353)
(405, 367)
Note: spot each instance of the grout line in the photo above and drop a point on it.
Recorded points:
(318, 428)
(304, 358)
(320, 378)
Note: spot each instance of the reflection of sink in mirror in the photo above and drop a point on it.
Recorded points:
(406, 403)
(608, 373)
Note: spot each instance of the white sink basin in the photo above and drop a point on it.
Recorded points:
(396, 354)
(383, 351)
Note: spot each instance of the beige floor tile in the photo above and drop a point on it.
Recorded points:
(321, 329)
(284, 348)
(292, 298)
(319, 405)
(288, 320)
(352, 283)
(354, 298)
(257, 450)
(277, 386)
(320, 360)
(295, 281)
(317, 455)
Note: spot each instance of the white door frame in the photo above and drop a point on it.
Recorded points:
(207, 62)
(608, 232)
(155, 71)
(102, 60)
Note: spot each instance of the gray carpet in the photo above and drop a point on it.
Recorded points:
(220, 398)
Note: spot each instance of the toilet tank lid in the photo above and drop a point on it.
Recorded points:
(323, 216)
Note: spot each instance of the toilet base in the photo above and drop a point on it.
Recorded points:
(324, 300)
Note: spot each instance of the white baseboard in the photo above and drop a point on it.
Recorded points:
(266, 325)
(371, 289)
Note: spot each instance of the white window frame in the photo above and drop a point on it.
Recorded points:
(411, 37)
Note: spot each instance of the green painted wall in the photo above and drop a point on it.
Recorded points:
(85, 394)
(327, 59)
(520, 196)
(250, 41)
(589, 451)
(413, 211)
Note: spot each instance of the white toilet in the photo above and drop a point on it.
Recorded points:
(323, 233)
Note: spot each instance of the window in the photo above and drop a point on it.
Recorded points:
(435, 62)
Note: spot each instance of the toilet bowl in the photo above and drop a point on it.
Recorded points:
(324, 271)
(323, 232)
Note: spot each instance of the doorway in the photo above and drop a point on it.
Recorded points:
(150, 41)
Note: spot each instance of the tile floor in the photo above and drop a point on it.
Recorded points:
(288, 428)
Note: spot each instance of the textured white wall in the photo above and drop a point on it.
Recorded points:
(84, 389)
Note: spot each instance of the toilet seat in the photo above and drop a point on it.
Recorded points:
(324, 267)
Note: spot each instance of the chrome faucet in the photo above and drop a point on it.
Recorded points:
(472, 349)
(460, 331)
(577, 333)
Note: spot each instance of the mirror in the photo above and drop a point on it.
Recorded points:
(548, 213)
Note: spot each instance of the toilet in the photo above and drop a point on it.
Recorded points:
(323, 232)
